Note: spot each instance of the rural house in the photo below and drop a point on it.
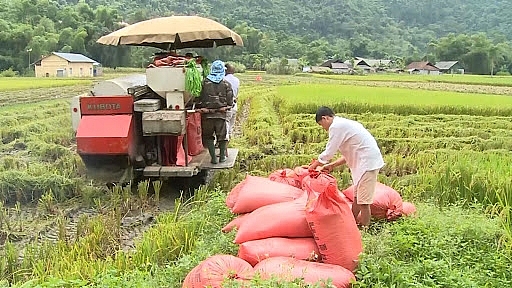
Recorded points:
(375, 62)
(450, 67)
(340, 68)
(328, 63)
(337, 66)
(422, 68)
(361, 64)
(66, 65)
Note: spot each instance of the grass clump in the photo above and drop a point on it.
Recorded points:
(450, 247)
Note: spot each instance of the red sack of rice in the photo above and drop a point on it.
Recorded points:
(334, 228)
(255, 192)
(257, 250)
(301, 172)
(214, 270)
(286, 176)
(235, 223)
(387, 203)
(344, 197)
(318, 181)
(289, 269)
(408, 208)
(286, 219)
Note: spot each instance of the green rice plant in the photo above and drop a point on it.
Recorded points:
(127, 199)
(452, 247)
(171, 237)
(9, 262)
(88, 193)
(116, 196)
(142, 189)
(61, 226)
(90, 254)
(10, 134)
(313, 134)
(412, 146)
(157, 185)
(355, 99)
(452, 78)
(49, 152)
(226, 179)
(47, 202)
(505, 205)
(81, 227)
(100, 207)
(18, 212)
(24, 83)
(4, 219)
(471, 176)
(62, 138)
(12, 162)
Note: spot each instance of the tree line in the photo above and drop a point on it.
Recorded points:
(278, 29)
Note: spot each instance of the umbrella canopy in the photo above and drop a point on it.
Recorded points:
(174, 32)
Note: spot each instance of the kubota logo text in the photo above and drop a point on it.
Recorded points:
(107, 106)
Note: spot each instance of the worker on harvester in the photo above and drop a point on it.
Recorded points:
(215, 100)
(235, 84)
(359, 151)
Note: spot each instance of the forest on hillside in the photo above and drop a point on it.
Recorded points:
(472, 31)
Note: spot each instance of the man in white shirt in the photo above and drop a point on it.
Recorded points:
(235, 84)
(359, 151)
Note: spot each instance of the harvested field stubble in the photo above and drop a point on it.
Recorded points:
(447, 177)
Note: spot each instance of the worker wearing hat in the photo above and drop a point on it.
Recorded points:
(215, 100)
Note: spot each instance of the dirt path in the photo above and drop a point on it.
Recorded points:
(241, 117)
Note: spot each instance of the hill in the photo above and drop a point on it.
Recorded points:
(273, 28)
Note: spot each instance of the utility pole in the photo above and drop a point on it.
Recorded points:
(29, 50)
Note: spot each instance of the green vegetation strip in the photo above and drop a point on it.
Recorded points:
(356, 99)
(453, 78)
(25, 83)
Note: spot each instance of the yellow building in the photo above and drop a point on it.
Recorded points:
(67, 65)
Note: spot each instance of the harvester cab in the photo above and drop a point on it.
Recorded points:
(141, 126)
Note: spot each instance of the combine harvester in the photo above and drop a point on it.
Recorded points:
(142, 125)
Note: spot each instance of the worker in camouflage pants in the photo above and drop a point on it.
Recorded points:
(215, 100)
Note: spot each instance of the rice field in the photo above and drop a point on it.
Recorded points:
(445, 78)
(23, 83)
(447, 152)
(305, 98)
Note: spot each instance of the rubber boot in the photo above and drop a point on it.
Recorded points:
(222, 147)
(227, 144)
(211, 149)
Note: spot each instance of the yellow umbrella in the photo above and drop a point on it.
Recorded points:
(174, 32)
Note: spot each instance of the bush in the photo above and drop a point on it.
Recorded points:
(239, 67)
(280, 68)
(502, 73)
(9, 73)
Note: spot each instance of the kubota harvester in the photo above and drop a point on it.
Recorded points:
(141, 126)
